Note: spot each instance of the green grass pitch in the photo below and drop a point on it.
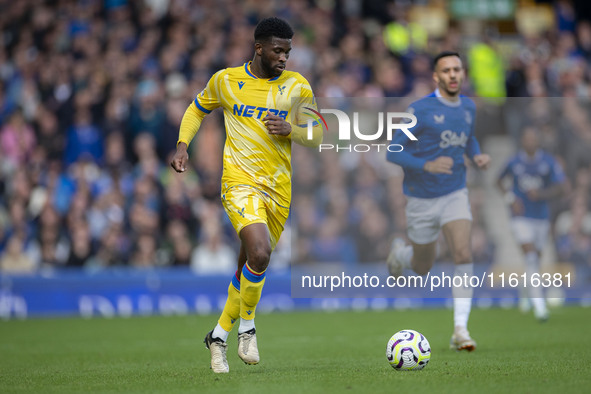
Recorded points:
(301, 352)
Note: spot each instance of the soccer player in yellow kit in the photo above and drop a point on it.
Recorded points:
(259, 100)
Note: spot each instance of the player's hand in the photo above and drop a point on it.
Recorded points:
(482, 160)
(276, 125)
(180, 158)
(441, 165)
(517, 207)
(533, 195)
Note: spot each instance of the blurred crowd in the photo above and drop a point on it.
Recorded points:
(92, 94)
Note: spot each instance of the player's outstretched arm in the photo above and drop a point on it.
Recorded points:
(189, 126)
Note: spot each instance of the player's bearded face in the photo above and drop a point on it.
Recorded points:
(274, 55)
(449, 75)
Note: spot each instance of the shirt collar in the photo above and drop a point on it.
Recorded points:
(447, 102)
(524, 156)
(251, 74)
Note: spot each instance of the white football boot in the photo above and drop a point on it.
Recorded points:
(217, 348)
(247, 347)
(461, 340)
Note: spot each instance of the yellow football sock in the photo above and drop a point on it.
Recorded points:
(231, 310)
(251, 287)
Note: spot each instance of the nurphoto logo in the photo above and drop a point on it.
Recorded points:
(387, 122)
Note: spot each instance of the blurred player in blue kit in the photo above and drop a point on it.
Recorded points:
(537, 178)
(435, 185)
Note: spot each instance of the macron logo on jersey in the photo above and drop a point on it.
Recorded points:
(449, 138)
(250, 111)
(240, 84)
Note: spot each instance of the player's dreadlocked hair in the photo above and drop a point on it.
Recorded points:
(272, 27)
(442, 55)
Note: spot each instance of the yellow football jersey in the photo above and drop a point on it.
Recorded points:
(251, 155)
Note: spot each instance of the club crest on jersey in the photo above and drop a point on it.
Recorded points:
(240, 84)
(439, 119)
(281, 89)
(449, 138)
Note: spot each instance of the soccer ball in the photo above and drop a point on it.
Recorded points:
(408, 350)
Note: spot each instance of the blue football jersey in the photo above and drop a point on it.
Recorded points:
(537, 173)
(443, 128)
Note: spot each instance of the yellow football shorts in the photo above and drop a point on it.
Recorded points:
(246, 205)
